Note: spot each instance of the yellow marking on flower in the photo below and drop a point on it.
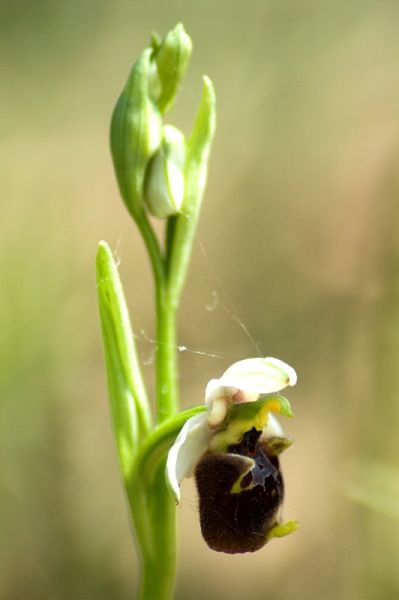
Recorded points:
(237, 489)
(273, 406)
(282, 529)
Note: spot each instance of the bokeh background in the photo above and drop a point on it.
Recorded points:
(296, 257)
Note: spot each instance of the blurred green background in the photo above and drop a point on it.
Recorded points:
(296, 257)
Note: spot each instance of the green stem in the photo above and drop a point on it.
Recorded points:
(166, 348)
(166, 356)
(153, 586)
(140, 515)
(153, 514)
(154, 517)
(152, 506)
(163, 512)
(153, 248)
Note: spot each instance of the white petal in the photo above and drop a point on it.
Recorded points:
(258, 376)
(192, 441)
(217, 399)
(212, 392)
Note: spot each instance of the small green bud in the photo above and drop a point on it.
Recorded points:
(136, 131)
(172, 56)
(164, 188)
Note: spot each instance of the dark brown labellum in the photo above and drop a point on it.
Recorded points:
(238, 508)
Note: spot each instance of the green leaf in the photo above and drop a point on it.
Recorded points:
(159, 441)
(129, 405)
(198, 149)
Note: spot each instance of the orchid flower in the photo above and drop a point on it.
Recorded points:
(233, 449)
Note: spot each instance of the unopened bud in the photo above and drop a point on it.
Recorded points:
(135, 133)
(164, 189)
(172, 55)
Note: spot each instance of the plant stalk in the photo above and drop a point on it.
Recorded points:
(166, 356)
(159, 570)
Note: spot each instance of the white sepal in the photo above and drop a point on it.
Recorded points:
(245, 381)
(191, 443)
(259, 375)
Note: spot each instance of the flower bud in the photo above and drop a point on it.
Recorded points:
(164, 187)
(136, 131)
(172, 56)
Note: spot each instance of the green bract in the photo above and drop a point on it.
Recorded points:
(129, 404)
(195, 174)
